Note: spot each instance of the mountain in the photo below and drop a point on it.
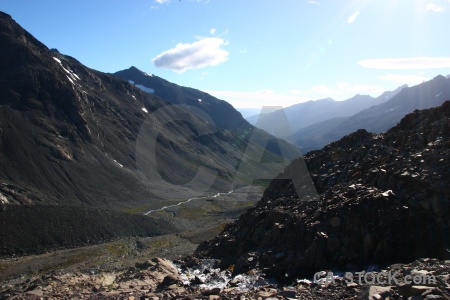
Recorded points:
(223, 114)
(308, 113)
(377, 118)
(383, 198)
(78, 143)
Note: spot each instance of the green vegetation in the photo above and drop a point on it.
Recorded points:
(118, 249)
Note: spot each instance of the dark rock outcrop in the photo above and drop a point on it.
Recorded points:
(384, 198)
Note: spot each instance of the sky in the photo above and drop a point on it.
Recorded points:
(252, 53)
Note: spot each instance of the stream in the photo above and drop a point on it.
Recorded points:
(187, 201)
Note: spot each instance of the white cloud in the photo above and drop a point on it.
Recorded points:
(353, 17)
(435, 7)
(213, 31)
(404, 79)
(163, 1)
(406, 63)
(202, 53)
(313, 2)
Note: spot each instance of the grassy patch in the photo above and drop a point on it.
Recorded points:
(117, 249)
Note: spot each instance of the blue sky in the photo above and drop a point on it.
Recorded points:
(252, 52)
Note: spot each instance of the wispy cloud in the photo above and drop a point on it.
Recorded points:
(213, 31)
(163, 1)
(298, 92)
(202, 53)
(353, 17)
(435, 7)
(406, 63)
(313, 2)
(404, 79)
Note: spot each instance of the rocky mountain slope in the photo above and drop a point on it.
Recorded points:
(377, 118)
(224, 114)
(71, 136)
(384, 198)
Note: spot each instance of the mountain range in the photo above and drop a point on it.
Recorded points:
(308, 113)
(377, 118)
(312, 125)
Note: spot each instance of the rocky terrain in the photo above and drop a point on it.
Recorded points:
(161, 279)
(383, 209)
(384, 198)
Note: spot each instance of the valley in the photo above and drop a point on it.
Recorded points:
(124, 185)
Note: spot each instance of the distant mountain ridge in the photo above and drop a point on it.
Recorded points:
(308, 113)
(377, 118)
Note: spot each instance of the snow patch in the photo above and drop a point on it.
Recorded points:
(133, 97)
(118, 163)
(144, 110)
(199, 100)
(69, 79)
(70, 72)
(145, 89)
(3, 199)
(148, 74)
(438, 94)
